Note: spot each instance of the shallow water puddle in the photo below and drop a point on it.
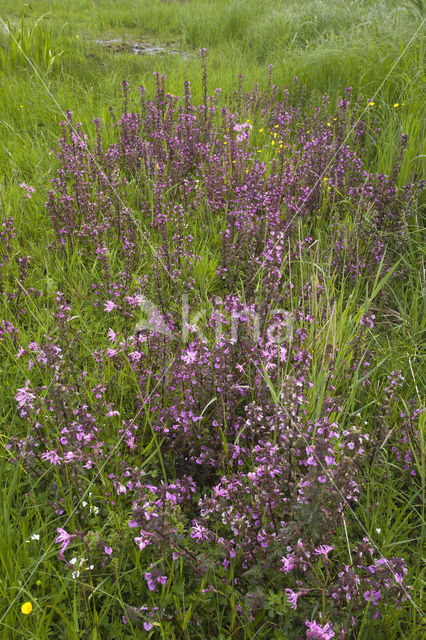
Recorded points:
(140, 47)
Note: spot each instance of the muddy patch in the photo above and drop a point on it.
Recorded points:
(141, 47)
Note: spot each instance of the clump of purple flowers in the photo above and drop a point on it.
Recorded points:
(208, 440)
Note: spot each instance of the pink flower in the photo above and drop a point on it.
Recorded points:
(108, 550)
(24, 397)
(52, 457)
(287, 564)
(373, 596)
(317, 632)
(112, 335)
(64, 538)
(292, 597)
(189, 357)
(144, 540)
(199, 533)
(109, 306)
(28, 189)
(150, 581)
(323, 550)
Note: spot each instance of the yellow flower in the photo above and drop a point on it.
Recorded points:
(276, 126)
(247, 170)
(259, 151)
(273, 142)
(396, 105)
(371, 104)
(260, 130)
(26, 608)
(328, 124)
(334, 119)
(38, 583)
(21, 106)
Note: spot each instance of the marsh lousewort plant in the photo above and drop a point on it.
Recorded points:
(209, 439)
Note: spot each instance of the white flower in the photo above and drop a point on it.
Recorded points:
(34, 536)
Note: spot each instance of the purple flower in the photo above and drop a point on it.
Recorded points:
(108, 550)
(24, 397)
(373, 597)
(150, 581)
(154, 578)
(317, 632)
(52, 457)
(287, 563)
(147, 626)
(189, 356)
(28, 189)
(323, 550)
(292, 597)
(109, 306)
(112, 335)
(64, 538)
(200, 533)
(368, 319)
(144, 540)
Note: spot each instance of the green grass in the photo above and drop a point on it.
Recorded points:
(375, 47)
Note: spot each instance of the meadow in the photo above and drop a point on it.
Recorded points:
(212, 320)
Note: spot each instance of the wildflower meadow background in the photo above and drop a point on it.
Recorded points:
(211, 278)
